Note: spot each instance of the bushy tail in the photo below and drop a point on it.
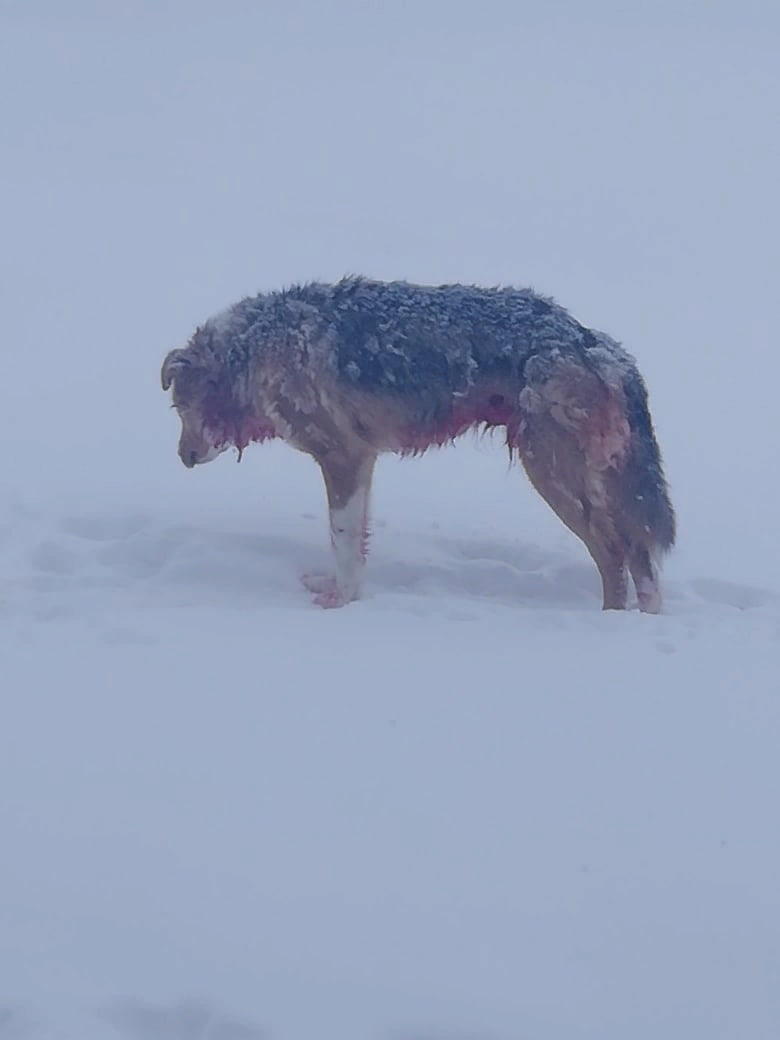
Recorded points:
(643, 490)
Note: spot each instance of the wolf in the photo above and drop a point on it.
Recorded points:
(349, 370)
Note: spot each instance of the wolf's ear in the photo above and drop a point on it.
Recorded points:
(174, 360)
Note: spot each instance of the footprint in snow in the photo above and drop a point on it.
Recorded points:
(13, 1025)
(103, 528)
(186, 1020)
(53, 558)
(730, 594)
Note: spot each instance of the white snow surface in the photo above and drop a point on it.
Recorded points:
(470, 806)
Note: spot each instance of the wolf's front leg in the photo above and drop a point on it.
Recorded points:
(349, 487)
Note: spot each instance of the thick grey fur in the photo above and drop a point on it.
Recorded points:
(431, 343)
(348, 371)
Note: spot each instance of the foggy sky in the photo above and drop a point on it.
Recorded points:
(160, 163)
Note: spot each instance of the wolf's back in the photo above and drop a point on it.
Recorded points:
(399, 338)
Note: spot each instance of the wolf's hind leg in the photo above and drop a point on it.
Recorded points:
(573, 438)
(348, 486)
(644, 571)
(565, 494)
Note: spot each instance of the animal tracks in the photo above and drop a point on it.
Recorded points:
(108, 568)
(731, 594)
(108, 528)
(138, 1020)
(188, 1020)
(14, 1025)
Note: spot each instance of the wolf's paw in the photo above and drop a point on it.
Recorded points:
(325, 590)
(318, 583)
(330, 599)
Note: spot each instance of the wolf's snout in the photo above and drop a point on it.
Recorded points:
(189, 456)
(203, 451)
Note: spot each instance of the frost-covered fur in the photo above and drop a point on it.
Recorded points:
(347, 371)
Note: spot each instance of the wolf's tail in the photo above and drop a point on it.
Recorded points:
(643, 491)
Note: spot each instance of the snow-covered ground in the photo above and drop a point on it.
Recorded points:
(471, 806)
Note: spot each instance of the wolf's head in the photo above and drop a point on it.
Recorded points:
(203, 397)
